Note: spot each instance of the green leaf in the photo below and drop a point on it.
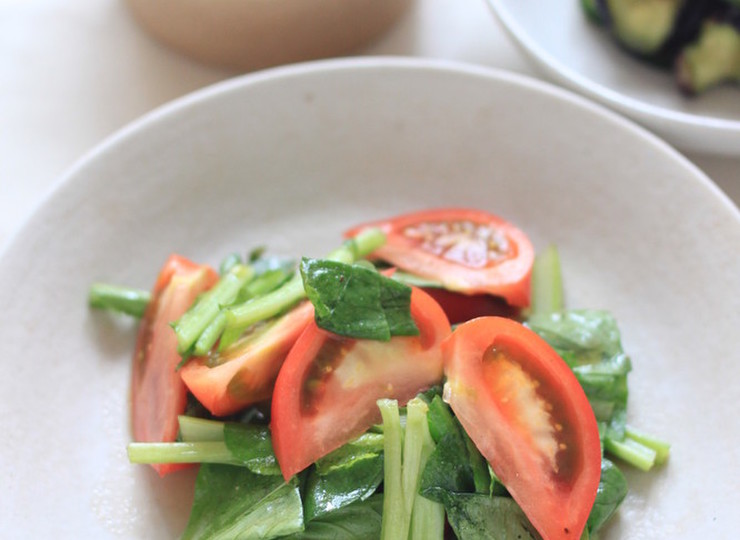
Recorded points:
(358, 521)
(612, 491)
(232, 502)
(324, 493)
(448, 469)
(357, 302)
(252, 446)
(367, 445)
(476, 517)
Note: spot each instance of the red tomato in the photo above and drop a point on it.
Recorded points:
(460, 308)
(525, 411)
(245, 373)
(326, 391)
(468, 251)
(158, 394)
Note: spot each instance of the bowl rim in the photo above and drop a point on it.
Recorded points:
(386, 63)
(599, 92)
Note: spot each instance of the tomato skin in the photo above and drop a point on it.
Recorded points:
(508, 277)
(158, 394)
(250, 368)
(326, 392)
(525, 411)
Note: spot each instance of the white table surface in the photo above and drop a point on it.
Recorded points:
(74, 71)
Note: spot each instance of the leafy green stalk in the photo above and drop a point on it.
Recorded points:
(199, 429)
(210, 335)
(122, 299)
(239, 318)
(395, 524)
(632, 452)
(181, 452)
(661, 448)
(427, 517)
(416, 428)
(547, 285)
(196, 319)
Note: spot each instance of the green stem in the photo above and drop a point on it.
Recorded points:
(662, 448)
(122, 299)
(547, 285)
(416, 420)
(192, 324)
(209, 336)
(632, 452)
(200, 430)
(394, 525)
(181, 452)
(427, 517)
(241, 317)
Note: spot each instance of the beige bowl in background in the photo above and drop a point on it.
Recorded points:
(254, 34)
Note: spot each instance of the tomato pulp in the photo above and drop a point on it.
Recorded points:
(467, 251)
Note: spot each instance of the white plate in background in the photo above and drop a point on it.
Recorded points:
(289, 158)
(582, 56)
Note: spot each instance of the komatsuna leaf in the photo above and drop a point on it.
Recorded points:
(358, 480)
(367, 445)
(232, 502)
(357, 302)
(479, 517)
(612, 491)
(358, 521)
(252, 445)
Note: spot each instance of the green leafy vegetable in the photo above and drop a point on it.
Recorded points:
(367, 445)
(358, 521)
(210, 441)
(241, 317)
(455, 465)
(354, 301)
(612, 491)
(475, 517)
(232, 502)
(252, 446)
(356, 481)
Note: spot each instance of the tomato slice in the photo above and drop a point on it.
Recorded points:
(468, 251)
(525, 411)
(245, 373)
(327, 389)
(158, 394)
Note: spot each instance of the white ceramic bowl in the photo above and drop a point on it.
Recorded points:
(252, 34)
(289, 158)
(574, 53)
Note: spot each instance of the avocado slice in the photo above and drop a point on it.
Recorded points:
(643, 26)
(712, 59)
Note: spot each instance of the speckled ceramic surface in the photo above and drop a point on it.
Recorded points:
(581, 56)
(289, 158)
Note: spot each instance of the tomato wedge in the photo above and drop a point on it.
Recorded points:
(525, 411)
(245, 373)
(469, 251)
(158, 394)
(326, 391)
